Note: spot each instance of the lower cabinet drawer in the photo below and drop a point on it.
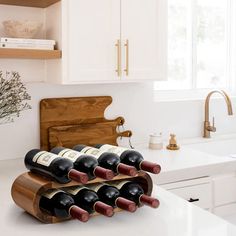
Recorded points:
(197, 192)
(226, 210)
(199, 195)
(224, 189)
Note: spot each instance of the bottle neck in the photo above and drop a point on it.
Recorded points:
(78, 213)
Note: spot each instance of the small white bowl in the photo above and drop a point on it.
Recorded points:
(21, 29)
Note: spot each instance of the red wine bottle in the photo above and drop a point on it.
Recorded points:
(53, 166)
(134, 192)
(107, 160)
(61, 205)
(131, 157)
(111, 196)
(88, 200)
(84, 163)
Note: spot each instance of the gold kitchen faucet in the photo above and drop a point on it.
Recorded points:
(208, 128)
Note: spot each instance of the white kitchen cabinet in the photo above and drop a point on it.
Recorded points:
(198, 191)
(224, 187)
(225, 210)
(92, 34)
(224, 190)
(105, 41)
(143, 26)
(215, 193)
(94, 41)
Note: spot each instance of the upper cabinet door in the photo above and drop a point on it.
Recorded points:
(144, 39)
(92, 31)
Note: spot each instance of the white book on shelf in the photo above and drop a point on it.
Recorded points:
(26, 41)
(26, 46)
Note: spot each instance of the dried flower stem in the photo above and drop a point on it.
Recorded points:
(13, 95)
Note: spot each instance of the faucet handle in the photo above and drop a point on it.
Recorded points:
(213, 128)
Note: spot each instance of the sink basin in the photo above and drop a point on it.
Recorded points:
(224, 147)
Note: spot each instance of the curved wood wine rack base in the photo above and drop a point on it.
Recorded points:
(28, 187)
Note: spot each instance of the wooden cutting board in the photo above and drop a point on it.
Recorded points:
(77, 120)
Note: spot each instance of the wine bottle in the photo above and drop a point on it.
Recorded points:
(134, 192)
(84, 163)
(53, 166)
(107, 160)
(130, 157)
(111, 196)
(61, 205)
(88, 200)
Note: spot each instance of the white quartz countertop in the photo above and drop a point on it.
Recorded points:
(174, 217)
(186, 163)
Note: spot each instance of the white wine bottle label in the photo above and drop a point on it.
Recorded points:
(44, 158)
(118, 184)
(85, 149)
(75, 189)
(70, 154)
(51, 192)
(112, 149)
(92, 151)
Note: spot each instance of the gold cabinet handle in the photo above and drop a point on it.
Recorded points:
(127, 57)
(118, 45)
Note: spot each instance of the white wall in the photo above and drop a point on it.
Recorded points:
(135, 102)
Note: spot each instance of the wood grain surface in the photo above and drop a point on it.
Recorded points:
(28, 187)
(78, 120)
(29, 53)
(29, 3)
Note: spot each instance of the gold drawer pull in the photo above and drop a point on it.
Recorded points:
(127, 58)
(118, 70)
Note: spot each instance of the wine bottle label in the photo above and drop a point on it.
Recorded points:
(119, 184)
(75, 189)
(112, 149)
(51, 192)
(70, 154)
(85, 149)
(44, 158)
(92, 151)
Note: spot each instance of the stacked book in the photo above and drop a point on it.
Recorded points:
(21, 43)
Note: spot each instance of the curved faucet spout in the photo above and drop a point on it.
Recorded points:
(207, 127)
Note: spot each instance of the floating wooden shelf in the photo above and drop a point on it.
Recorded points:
(29, 3)
(29, 53)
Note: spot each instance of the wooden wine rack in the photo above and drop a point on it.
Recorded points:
(28, 188)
